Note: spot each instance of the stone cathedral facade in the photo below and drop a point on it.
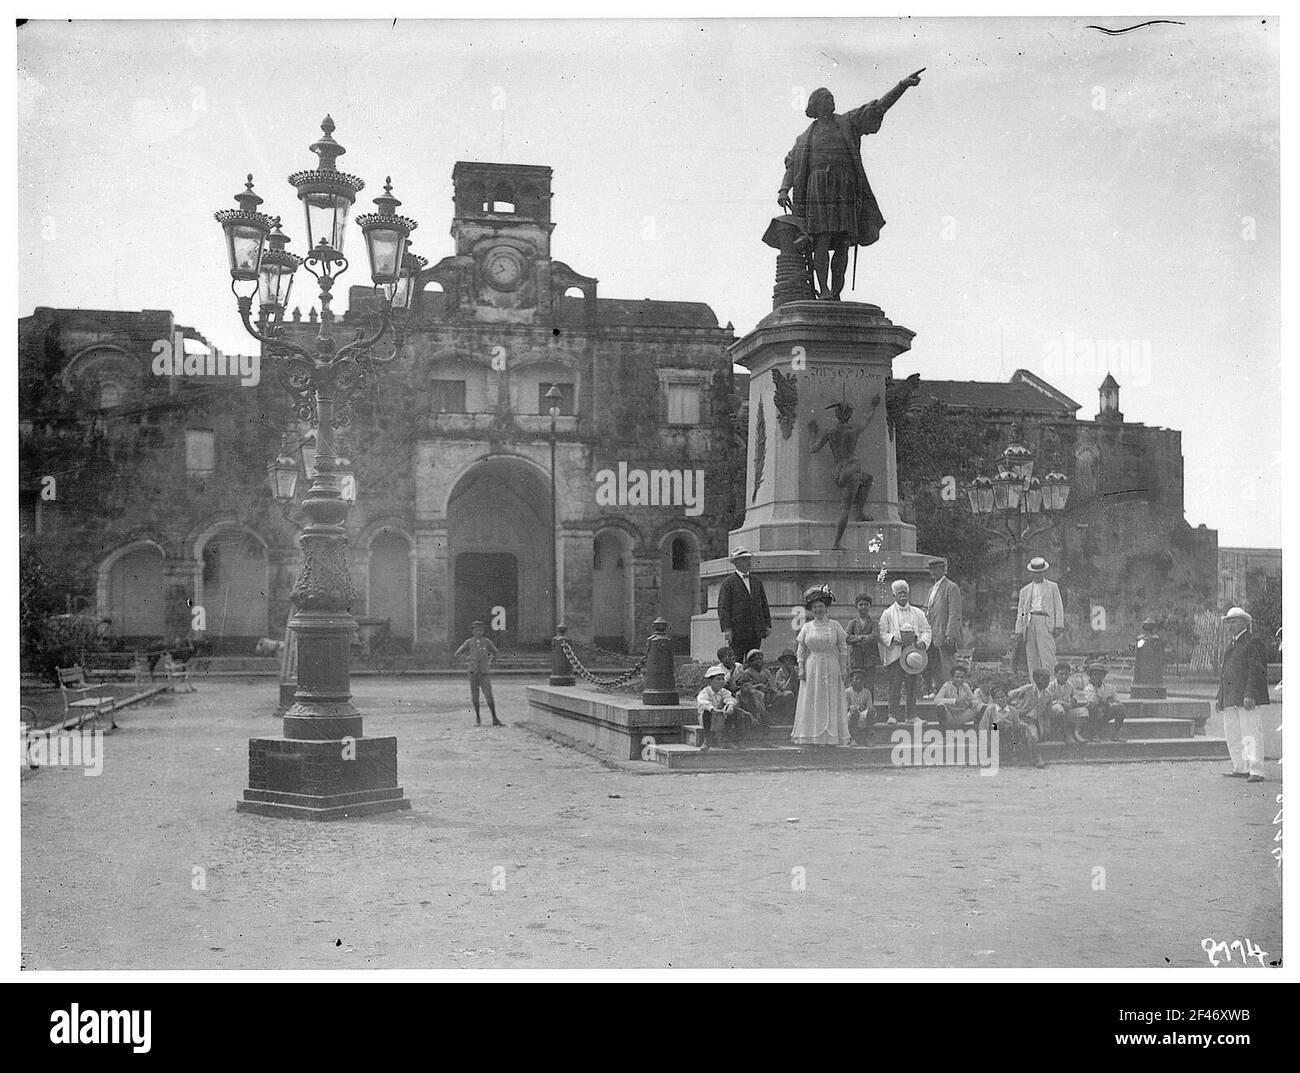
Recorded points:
(162, 504)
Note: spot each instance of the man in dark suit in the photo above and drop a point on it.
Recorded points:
(743, 614)
(1243, 684)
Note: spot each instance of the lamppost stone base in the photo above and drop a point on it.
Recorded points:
(322, 780)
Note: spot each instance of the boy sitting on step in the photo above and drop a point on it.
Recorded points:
(727, 660)
(956, 702)
(862, 714)
(756, 692)
(713, 700)
(1028, 707)
(786, 678)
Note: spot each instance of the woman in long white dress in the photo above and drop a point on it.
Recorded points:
(822, 648)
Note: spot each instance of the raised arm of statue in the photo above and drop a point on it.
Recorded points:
(891, 98)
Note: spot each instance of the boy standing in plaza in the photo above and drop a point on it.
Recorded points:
(864, 642)
(480, 653)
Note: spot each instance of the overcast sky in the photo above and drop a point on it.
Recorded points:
(1046, 187)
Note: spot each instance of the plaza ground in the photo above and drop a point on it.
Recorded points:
(627, 867)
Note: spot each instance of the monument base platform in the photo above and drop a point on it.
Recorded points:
(670, 735)
(618, 725)
(690, 758)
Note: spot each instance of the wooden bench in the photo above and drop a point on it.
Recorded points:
(80, 701)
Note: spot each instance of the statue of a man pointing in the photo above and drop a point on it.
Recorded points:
(824, 173)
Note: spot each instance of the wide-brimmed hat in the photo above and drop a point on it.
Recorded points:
(740, 553)
(1038, 565)
(818, 592)
(716, 671)
(1238, 612)
(754, 652)
(914, 659)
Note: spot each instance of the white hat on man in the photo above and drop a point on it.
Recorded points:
(1237, 612)
(740, 553)
(1038, 565)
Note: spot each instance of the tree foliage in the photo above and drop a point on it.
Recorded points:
(935, 442)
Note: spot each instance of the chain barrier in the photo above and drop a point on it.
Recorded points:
(609, 683)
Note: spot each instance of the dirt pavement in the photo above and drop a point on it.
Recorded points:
(604, 868)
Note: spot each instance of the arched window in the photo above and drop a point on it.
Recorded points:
(503, 199)
(681, 554)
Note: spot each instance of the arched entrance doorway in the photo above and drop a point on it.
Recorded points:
(611, 578)
(135, 593)
(234, 590)
(499, 543)
(390, 582)
(679, 571)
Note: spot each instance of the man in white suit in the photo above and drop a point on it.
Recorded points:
(1040, 618)
(901, 624)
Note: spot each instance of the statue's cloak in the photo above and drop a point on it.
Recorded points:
(852, 126)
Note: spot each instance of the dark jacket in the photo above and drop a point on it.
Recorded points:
(1244, 673)
(743, 612)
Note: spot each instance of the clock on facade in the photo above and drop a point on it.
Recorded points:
(504, 267)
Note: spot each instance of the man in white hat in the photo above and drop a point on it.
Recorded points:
(1040, 618)
(1243, 685)
(901, 624)
(743, 614)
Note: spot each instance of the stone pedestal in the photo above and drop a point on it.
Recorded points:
(803, 358)
(322, 780)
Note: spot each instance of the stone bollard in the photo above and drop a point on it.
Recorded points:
(659, 677)
(1148, 665)
(561, 669)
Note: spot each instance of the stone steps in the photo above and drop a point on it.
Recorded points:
(1134, 729)
(689, 758)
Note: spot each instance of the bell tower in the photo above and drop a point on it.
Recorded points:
(502, 227)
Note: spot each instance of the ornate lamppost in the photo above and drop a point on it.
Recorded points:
(553, 397)
(1018, 501)
(324, 767)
